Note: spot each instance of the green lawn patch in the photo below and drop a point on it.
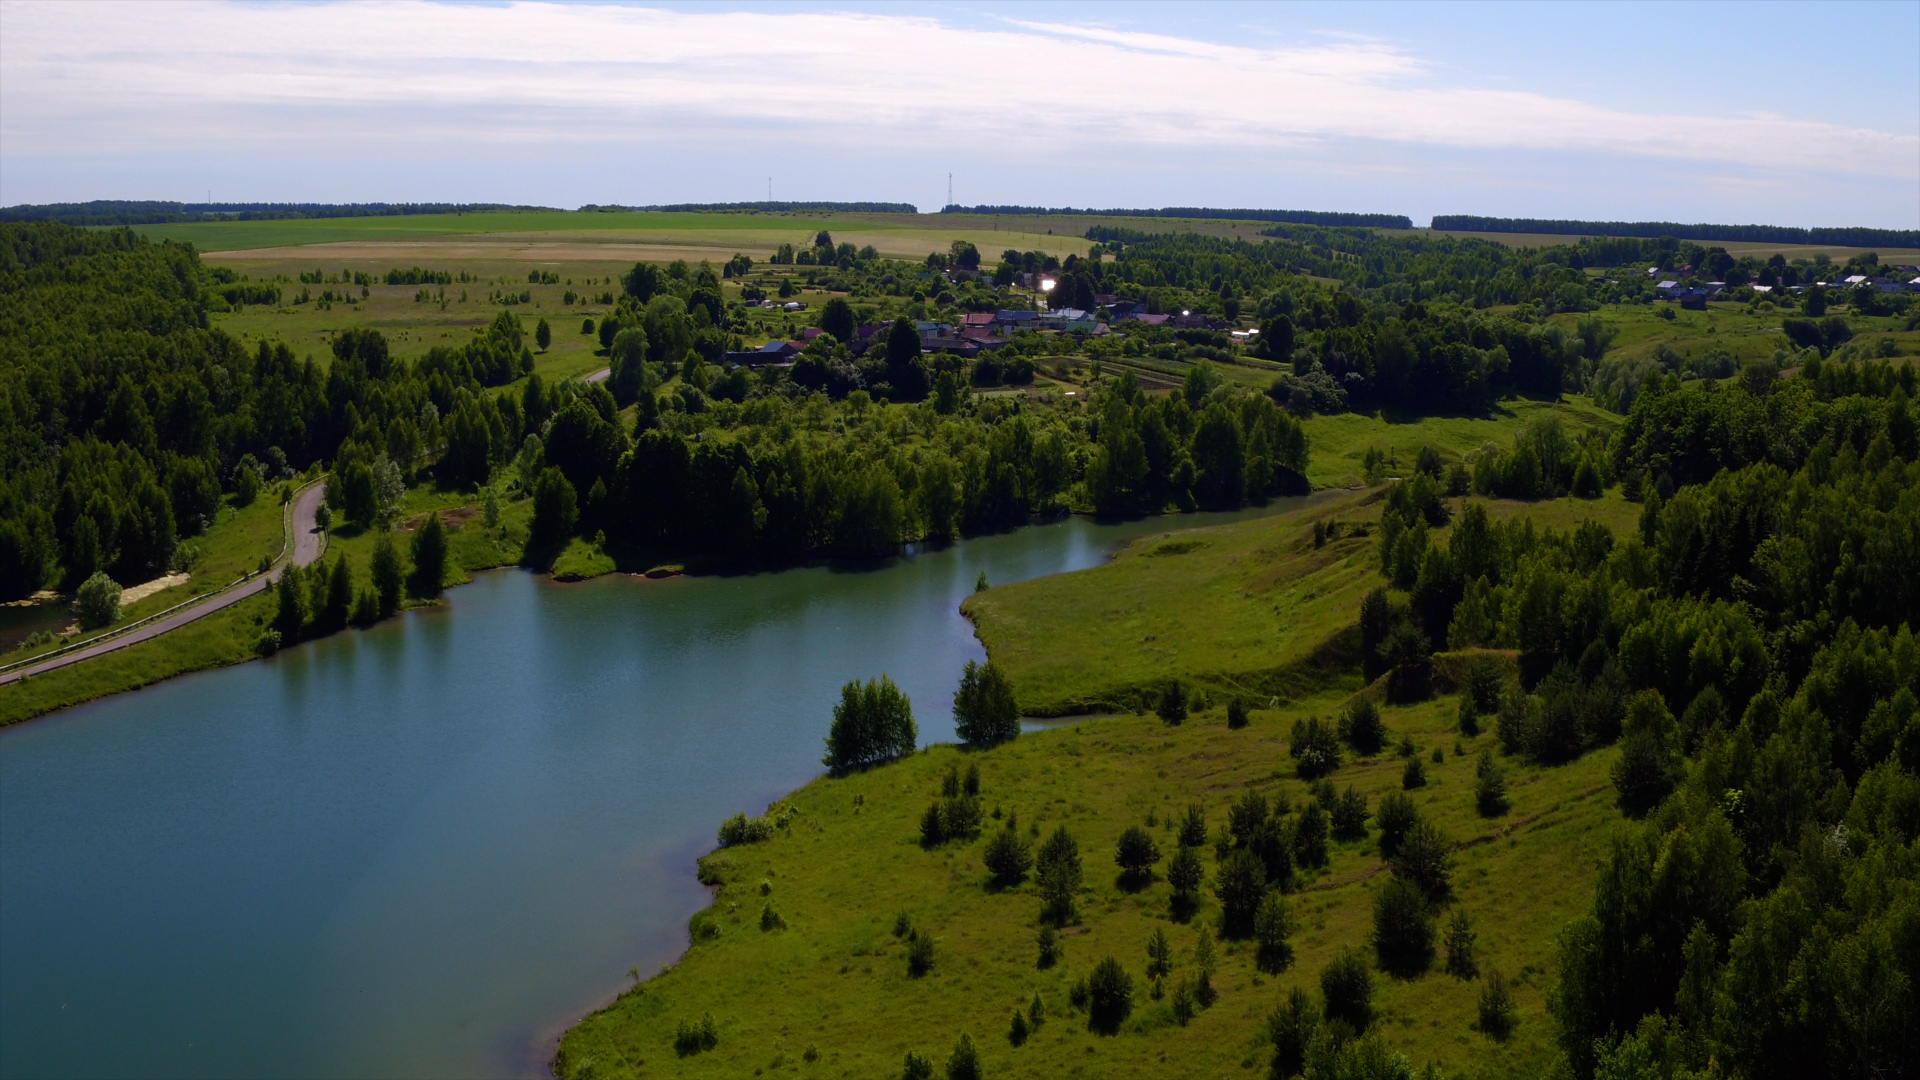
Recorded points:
(581, 560)
(1339, 441)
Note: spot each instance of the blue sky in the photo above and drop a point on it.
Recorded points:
(1789, 114)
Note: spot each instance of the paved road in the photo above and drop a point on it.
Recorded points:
(307, 545)
(601, 375)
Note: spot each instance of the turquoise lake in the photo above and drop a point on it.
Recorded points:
(427, 848)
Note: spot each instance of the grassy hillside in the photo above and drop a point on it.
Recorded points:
(834, 982)
(1251, 609)
(1340, 440)
(825, 989)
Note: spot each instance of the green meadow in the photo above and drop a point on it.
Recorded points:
(824, 988)
(753, 233)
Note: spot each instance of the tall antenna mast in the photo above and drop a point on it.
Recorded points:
(949, 189)
(769, 189)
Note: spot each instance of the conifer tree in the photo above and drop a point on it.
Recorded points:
(1058, 870)
(429, 557)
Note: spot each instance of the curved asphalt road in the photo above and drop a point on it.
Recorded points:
(599, 376)
(307, 544)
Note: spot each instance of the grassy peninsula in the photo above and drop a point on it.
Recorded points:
(833, 977)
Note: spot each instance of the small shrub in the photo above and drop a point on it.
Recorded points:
(741, 829)
(1246, 818)
(1049, 947)
(1185, 874)
(960, 817)
(1173, 703)
(1481, 682)
(1424, 857)
(1438, 756)
(1310, 837)
(1193, 828)
(1361, 729)
(1184, 1004)
(1078, 994)
(964, 1062)
(1236, 714)
(1314, 747)
(1017, 1028)
(1469, 716)
(1036, 1012)
(770, 920)
(1461, 962)
(1007, 858)
(1349, 816)
(971, 785)
(1414, 775)
(1292, 1028)
(919, 955)
(1347, 987)
(933, 828)
(1489, 787)
(1272, 927)
(1136, 854)
(1402, 928)
(1058, 871)
(1109, 996)
(97, 602)
(1396, 817)
(1159, 955)
(1241, 885)
(902, 925)
(692, 1038)
(1496, 1007)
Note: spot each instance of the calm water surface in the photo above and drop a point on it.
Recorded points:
(424, 849)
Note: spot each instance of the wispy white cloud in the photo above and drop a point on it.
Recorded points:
(118, 78)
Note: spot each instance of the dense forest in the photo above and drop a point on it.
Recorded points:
(1850, 236)
(1752, 650)
(1298, 217)
(149, 212)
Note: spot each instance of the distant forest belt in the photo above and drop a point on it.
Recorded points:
(600, 248)
(1736, 248)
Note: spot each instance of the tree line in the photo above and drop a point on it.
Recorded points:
(1757, 234)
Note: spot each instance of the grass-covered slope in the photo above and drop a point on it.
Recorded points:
(824, 989)
(1238, 608)
(1253, 609)
(834, 980)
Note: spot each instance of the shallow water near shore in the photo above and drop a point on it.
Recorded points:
(427, 848)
